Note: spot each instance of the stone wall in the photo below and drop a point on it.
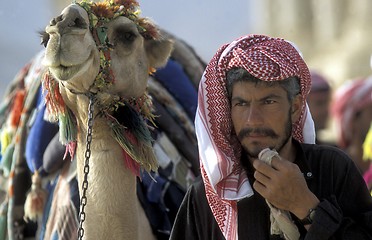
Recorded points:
(334, 36)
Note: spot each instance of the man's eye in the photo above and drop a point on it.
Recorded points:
(240, 104)
(269, 101)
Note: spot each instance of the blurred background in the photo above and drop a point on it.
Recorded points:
(205, 25)
(334, 35)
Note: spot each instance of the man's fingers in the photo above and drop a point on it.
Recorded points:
(259, 187)
(263, 179)
(264, 168)
(278, 163)
(261, 166)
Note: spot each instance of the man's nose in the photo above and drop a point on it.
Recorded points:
(254, 115)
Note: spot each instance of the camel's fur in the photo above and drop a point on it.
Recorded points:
(112, 210)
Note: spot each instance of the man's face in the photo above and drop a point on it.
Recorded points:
(319, 108)
(261, 116)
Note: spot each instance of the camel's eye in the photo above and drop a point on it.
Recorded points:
(125, 36)
(44, 38)
(129, 36)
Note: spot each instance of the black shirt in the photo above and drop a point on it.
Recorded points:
(344, 211)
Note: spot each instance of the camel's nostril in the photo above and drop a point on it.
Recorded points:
(56, 20)
(59, 18)
(52, 22)
(78, 23)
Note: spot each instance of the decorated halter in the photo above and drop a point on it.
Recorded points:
(134, 137)
(127, 118)
(99, 15)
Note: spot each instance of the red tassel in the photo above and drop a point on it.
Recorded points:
(132, 165)
(53, 98)
(70, 148)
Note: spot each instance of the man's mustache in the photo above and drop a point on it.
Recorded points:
(246, 132)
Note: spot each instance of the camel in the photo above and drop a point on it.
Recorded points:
(99, 57)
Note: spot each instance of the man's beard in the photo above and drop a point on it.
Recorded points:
(253, 153)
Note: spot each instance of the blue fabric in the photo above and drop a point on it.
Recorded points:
(175, 80)
(50, 189)
(55, 236)
(41, 133)
(161, 200)
(154, 188)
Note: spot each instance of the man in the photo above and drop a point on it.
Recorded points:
(252, 96)
(318, 100)
(352, 110)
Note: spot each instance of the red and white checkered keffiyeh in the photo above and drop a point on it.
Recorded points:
(269, 59)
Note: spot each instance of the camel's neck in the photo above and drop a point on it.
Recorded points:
(111, 194)
(84, 109)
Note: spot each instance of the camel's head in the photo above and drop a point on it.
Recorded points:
(104, 47)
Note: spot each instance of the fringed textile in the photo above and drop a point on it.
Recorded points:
(71, 149)
(58, 111)
(133, 166)
(61, 221)
(35, 200)
(135, 137)
(67, 128)
(53, 98)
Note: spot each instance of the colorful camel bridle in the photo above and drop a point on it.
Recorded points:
(135, 142)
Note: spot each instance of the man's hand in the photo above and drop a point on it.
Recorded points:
(284, 186)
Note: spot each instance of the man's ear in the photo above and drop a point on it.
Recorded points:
(296, 107)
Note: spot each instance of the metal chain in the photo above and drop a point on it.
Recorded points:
(83, 199)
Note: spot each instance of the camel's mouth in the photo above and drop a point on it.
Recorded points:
(65, 73)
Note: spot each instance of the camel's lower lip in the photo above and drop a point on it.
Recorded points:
(64, 73)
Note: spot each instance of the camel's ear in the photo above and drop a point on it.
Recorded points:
(158, 51)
